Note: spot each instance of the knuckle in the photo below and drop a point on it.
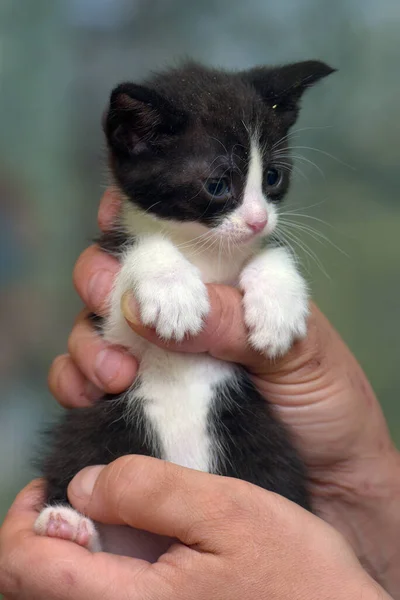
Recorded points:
(134, 475)
(228, 501)
(80, 337)
(120, 482)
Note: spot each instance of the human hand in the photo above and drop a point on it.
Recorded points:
(235, 541)
(318, 389)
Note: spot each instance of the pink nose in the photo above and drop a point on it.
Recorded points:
(258, 226)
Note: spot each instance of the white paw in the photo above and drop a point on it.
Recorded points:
(174, 303)
(275, 311)
(67, 524)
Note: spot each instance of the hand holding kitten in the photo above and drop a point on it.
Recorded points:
(318, 388)
(235, 541)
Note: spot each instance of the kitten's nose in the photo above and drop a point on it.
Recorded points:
(258, 225)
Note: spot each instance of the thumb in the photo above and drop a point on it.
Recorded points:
(157, 496)
(224, 335)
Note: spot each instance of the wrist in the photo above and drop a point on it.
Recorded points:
(365, 508)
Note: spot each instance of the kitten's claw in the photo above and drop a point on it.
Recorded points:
(66, 523)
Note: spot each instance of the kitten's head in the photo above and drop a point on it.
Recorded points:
(200, 146)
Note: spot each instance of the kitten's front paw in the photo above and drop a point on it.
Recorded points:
(175, 303)
(276, 313)
(66, 523)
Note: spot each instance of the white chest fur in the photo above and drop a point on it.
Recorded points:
(166, 269)
(178, 390)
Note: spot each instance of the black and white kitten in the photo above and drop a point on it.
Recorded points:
(195, 155)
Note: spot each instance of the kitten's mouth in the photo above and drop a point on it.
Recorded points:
(246, 237)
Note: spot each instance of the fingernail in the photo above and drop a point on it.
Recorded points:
(83, 483)
(99, 287)
(130, 309)
(108, 365)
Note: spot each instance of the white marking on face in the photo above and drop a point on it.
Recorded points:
(254, 207)
(255, 215)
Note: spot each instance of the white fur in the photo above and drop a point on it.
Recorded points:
(275, 301)
(168, 288)
(179, 387)
(166, 270)
(66, 523)
(255, 206)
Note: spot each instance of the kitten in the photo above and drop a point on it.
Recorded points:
(195, 153)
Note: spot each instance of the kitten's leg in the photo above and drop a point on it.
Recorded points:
(171, 295)
(275, 301)
(65, 523)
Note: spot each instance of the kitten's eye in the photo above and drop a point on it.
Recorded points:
(218, 188)
(274, 177)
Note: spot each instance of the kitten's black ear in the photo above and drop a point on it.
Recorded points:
(282, 87)
(137, 116)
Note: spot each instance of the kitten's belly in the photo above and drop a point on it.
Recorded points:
(177, 392)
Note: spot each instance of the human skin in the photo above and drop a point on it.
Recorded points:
(235, 541)
(318, 389)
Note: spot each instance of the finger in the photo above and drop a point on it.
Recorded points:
(108, 209)
(109, 368)
(163, 498)
(37, 567)
(24, 509)
(69, 386)
(224, 334)
(93, 276)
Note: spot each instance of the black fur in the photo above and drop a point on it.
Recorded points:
(257, 446)
(113, 242)
(91, 436)
(180, 129)
(166, 139)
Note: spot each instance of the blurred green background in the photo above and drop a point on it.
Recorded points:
(58, 61)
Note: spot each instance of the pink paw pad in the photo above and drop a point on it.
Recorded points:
(66, 523)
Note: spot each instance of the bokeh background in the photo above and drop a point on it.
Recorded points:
(58, 61)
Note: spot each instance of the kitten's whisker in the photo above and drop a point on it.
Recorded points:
(295, 132)
(279, 233)
(314, 233)
(213, 161)
(307, 160)
(193, 241)
(308, 207)
(307, 250)
(208, 178)
(219, 142)
(198, 244)
(282, 235)
(325, 154)
(295, 214)
(289, 168)
(152, 206)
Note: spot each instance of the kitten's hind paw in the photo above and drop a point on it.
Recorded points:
(66, 523)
